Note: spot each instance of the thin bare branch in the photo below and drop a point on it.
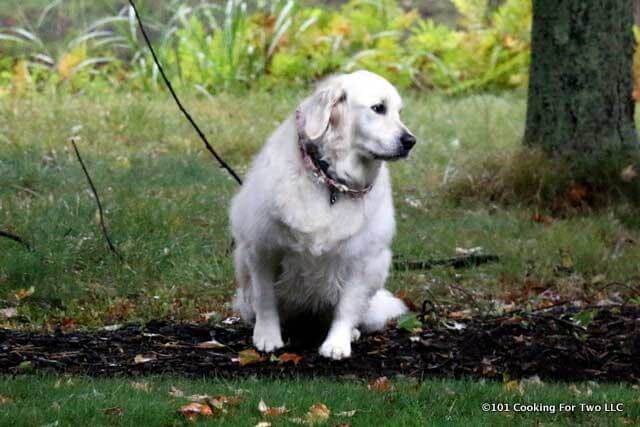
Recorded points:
(16, 239)
(223, 164)
(457, 262)
(95, 194)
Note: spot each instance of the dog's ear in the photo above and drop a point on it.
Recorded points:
(316, 113)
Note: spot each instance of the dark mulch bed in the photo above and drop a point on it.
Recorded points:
(547, 343)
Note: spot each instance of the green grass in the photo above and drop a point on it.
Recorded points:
(68, 401)
(166, 202)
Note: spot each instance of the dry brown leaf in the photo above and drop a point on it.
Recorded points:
(210, 344)
(247, 357)
(271, 411)
(462, 314)
(143, 358)
(222, 401)
(290, 357)
(68, 324)
(116, 411)
(192, 410)
(514, 387)
(577, 193)
(5, 400)
(24, 293)
(318, 414)
(380, 385)
(542, 219)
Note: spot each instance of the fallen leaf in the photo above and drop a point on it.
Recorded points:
(141, 386)
(487, 366)
(628, 174)
(24, 293)
(68, 324)
(577, 193)
(231, 320)
(513, 387)
(221, 401)
(247, 357)
(208, 315)
(380, 385)
(5, 399)
(210, 344)
(469, 251)
(576, 391)
(290, 357)
(318, 414)
(192, 410)
(271, 411)
(453, 325)
(462, 314)
(141, 358)
(116, 411)
(409, 322)
(8, 313)
(176, 392)
(542, 219)
(584, 318)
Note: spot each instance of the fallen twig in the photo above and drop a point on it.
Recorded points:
(95, 193)
(457, 262)
(223, 164)
(15, 238)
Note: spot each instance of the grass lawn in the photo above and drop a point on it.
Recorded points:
(166, 203)
(62, 401)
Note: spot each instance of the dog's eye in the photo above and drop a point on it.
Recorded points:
(379, 108)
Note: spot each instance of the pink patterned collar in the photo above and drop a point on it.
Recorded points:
(319, 170)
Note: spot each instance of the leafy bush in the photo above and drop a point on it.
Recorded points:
(235, 44)
(488, 52)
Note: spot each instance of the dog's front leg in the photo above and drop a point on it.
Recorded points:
(266, 331)
(352, 304)
(368, 275)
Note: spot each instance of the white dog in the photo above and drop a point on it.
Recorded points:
(314, 220)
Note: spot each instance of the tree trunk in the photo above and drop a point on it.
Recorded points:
(580, 87)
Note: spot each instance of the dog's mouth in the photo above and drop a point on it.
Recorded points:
(390, 157)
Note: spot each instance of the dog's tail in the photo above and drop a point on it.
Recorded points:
(382, 308)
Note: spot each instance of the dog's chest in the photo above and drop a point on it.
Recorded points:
(309, 283)
(309, 223)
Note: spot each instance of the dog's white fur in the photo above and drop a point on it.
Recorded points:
(295, 252)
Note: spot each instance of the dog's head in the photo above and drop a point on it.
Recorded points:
(354, 119)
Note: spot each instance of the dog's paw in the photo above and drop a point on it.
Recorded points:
(267, 339)
(355, 334)
(336, 349)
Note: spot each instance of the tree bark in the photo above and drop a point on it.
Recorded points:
(580, 87)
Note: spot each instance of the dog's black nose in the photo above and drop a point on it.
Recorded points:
(408, 141)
